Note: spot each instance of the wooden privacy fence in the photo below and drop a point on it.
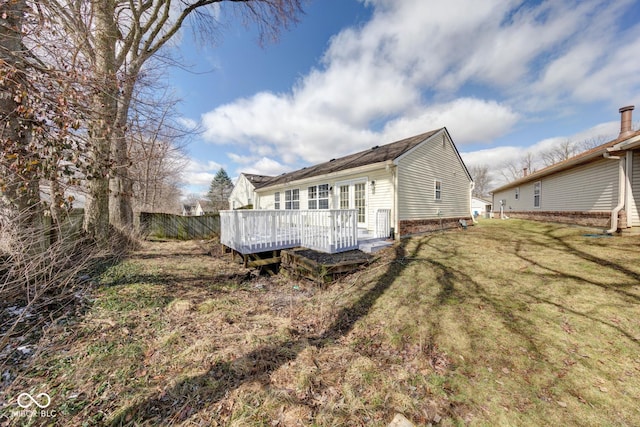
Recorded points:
(178, 226)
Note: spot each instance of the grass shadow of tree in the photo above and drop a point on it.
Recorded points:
(226, 375)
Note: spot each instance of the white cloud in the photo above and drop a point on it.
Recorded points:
(410, 69)
(266, 166)
(468, 120)
(200, 174)
(188, 123)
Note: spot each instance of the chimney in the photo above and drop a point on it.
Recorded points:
(625, 121)
(525, 172)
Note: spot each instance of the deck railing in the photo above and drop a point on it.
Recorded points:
(252, 231)
(383, 223)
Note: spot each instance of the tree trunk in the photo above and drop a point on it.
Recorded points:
(20, 187)
(105, 107)
(120, 184)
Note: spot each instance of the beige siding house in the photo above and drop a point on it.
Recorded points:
(243, 194)
(410, 186)
(597, 188)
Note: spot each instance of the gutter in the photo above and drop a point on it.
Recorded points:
(621, 187)
(628, 144)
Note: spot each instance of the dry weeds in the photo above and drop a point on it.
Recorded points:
(508, 323)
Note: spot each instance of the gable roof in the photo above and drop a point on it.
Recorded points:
(373, 155)
(588, 156)
(206, 205)
(257, 180)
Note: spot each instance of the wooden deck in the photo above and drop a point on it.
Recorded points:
(254, 231)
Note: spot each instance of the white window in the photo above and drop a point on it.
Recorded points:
(360, 200)
(318, 196)
(537, 193)
(276, 200)
(292, 199)
(344, 197)
(517, 193)
(437, 190)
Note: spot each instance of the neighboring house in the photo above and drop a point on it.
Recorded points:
(243, 194)
(188, 210)
(204, 207)
(414, 185)
(480, 207)
(600, 187)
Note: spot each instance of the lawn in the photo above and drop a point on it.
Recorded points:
(506, 323)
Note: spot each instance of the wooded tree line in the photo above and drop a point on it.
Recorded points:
(76, 108)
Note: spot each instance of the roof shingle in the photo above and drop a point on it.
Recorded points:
(373, 155)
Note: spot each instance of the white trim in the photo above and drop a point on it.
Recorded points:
(437, 181)
(539, 183)
(351, 183)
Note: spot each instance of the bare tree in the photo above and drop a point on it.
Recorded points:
(516, 169)
(118, 37)
(568, 148)
(481, 179)
(156, 150)
(40, 114)
(19, 164)
(563, 150)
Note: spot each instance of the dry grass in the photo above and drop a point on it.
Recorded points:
(508, 323)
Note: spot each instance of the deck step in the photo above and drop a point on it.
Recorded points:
(373, 246)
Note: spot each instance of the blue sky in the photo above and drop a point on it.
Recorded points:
(504, 77)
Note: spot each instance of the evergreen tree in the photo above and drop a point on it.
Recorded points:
(220, 190)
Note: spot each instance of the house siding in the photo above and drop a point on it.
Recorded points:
(380, 198)
(588, 188)
(584, 195)
(242, 193)
(436, 159)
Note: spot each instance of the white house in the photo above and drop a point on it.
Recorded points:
(203, 207)
(600, 187)
(243, 194)
(480, 207)
(410, 186)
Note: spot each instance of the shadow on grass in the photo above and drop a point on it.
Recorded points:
(204, 391)
(553, 267)
(468, 287)
(586, 316)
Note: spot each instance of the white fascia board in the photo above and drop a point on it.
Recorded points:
(628, 144)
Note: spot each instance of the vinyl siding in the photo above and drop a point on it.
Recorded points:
(634, 205)
(588, 188)
(241, 194)
(380, 198)
(435, 159)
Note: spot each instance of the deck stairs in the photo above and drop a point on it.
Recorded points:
(368, 243)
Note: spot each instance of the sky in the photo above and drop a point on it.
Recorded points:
(506, 78)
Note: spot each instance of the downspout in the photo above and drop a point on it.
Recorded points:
(622, 183)
(393, 169)
(472, 185)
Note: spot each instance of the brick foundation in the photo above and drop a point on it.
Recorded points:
(419, 226)
(589, 219)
